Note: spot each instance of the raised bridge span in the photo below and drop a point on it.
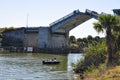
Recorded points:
(72, 20)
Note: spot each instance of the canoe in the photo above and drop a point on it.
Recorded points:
(50, 62)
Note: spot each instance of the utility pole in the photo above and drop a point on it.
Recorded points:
(27, 20)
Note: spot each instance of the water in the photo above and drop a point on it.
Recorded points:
(73, 58)
(29, 67)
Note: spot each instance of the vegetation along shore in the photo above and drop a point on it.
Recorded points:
(102, 59)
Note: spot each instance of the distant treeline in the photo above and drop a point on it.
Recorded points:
(6, 28)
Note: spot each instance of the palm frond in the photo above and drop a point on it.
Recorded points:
(98, 27)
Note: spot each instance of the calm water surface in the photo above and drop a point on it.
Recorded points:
(29, 67)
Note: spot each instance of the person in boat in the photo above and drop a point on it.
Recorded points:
(53, 59)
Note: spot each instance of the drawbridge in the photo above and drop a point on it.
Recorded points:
(72, 20)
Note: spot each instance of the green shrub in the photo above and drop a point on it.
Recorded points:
(94, 56)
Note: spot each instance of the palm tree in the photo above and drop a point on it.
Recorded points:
(107, 23)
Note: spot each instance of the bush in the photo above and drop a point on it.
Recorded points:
(95, 55)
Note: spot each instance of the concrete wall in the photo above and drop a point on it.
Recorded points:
(58, 41)
(43, 37)
(17, 33)
(31, 40)
(46, 39)
(13, 37)
(40, 37)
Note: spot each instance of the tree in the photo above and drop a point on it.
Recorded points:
(72, 39)
(97, 39)
(79, 41)
(89, 38)
(107, 22)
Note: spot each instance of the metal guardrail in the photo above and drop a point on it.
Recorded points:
(65, 17)
(91, 13)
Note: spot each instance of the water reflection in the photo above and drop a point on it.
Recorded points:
(73, 58)
(30, 67)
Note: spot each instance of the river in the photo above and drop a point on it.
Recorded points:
(28, 66)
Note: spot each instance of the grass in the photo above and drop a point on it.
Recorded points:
(111, 74)
(102, 73)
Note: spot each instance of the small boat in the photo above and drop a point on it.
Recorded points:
(50, 62)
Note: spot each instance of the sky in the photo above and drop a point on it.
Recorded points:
(17, 13)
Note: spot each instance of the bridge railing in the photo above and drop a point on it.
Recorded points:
(92, 13)
(65, 17)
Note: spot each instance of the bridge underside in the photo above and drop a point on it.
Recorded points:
(67, 23)
(73, 23)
